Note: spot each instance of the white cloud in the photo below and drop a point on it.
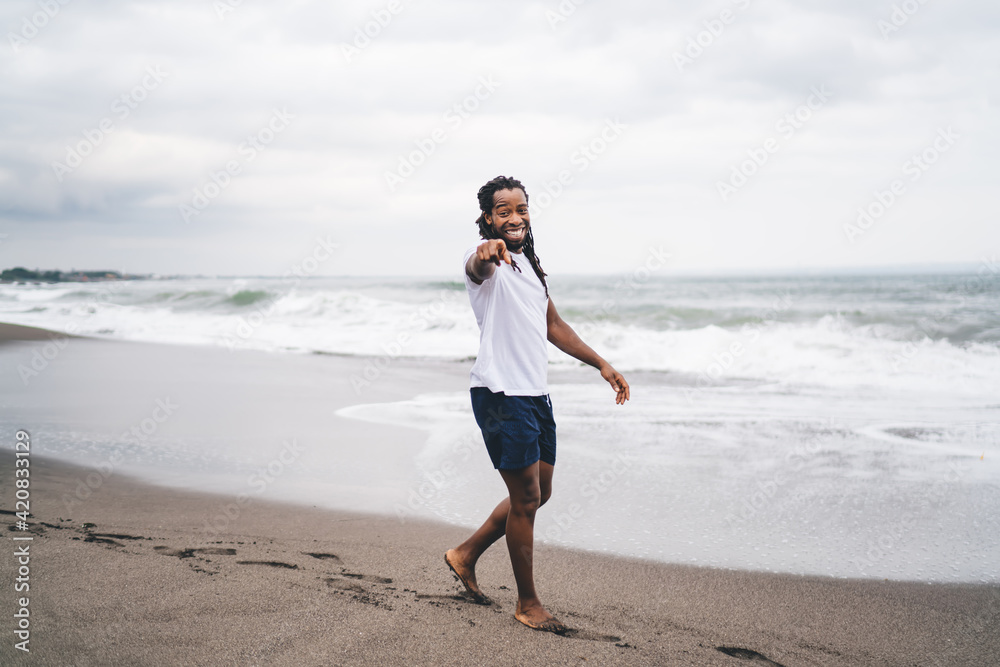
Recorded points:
(353, 120)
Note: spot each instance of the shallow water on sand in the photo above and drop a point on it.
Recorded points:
(808, 481)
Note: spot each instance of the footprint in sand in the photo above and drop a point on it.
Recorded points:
(269, 563)
(359, 592)
(191, 553)
(456, 597)
(587, 635)
(117, 536)
(110, 539)
(365, 577)
(747, 654)
(322, 556)
(463, 596)
(342, 585)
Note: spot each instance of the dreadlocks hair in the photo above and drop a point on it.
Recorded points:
(488, 231)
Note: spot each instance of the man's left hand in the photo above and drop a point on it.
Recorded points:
(617, 383)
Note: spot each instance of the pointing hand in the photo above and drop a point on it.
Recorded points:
(494, 251)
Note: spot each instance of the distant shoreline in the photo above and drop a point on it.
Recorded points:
(985, 267)
(19, 274)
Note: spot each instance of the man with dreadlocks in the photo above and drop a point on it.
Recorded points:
(509, 387)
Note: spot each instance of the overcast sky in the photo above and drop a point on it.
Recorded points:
(732, 134)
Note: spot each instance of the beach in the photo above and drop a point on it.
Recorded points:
(264, 297)
(842, 426)
(195, 569)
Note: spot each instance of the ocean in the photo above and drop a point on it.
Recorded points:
(837, 425)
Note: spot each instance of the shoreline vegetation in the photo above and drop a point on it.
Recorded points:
(19, 274)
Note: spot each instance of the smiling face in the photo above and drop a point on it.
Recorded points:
(509, 217)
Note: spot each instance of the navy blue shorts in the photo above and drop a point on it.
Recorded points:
(518, 430)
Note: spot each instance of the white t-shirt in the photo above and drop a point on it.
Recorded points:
(510, 307)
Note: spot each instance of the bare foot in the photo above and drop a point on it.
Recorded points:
(537, 617)
(465, 574)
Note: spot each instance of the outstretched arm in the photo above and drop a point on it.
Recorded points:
(486, 260)
(562, 336)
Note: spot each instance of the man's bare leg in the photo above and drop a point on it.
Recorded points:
(525, 498)
(463, 558)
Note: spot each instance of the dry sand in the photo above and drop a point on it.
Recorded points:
(128, 578)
